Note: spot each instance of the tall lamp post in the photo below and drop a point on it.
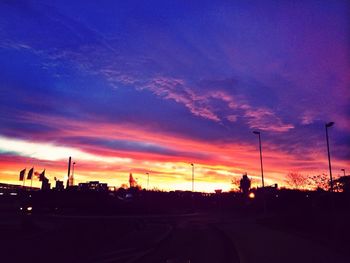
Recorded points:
(192, 177)
(261, 162)
(343, 171)
(147, 180)
(328, 125)
(68, 174)
(72, 179)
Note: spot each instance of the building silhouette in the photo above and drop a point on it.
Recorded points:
(93, 186)
(59, 185)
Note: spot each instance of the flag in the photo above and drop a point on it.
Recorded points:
(30, 173)
(21, 174)
(42, 176)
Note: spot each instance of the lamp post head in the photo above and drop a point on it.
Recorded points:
(256, 132)
(192, 164)
(342, 170)
(329, 124)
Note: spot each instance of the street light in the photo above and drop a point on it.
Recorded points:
(328, 125)
(343, 171)
(68, 173)
(72, 179)
(192, 177)
(147, 180)
(73, 168)
(261, 162)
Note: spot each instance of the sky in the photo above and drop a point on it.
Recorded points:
(153, 86)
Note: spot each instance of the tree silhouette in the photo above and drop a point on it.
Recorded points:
(235, 182)
(342, 184)
(301, 181)
(319, 182)
(297, 180)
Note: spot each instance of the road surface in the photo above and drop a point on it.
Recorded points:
(150, 239)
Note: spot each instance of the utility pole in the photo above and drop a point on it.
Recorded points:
(261, 161)
(192, 177)
(147, 181)
(69, 164)
(327, 125)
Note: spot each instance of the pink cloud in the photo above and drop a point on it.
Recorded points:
(175, 89)
(265, 119)
(201, 104)
(232, 118)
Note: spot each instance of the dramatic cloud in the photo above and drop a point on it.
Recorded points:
(153, 87)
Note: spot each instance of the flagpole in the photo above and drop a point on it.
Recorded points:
(24, 179)
(31, 179)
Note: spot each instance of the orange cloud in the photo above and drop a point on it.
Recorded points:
(215, 163)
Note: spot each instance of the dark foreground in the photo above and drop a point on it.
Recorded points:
(197, 237)
(177, 238)
(174, 227)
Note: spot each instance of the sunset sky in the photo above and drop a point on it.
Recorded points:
(153, 86)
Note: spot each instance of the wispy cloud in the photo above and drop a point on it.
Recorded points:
(266, 120)
(176, 89)
(202, 104)
(200, 101)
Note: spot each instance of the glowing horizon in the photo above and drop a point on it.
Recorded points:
(214, 172)
(135, 88)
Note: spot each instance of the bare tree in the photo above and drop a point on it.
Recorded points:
(319, 182)
(297, 180)
(235, 182)
(301, 181)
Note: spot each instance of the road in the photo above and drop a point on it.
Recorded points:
(194, 240)
(183, 238)
(152, 239)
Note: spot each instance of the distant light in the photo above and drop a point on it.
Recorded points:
(21, 208)
(13, 193)
(251, 195)
(276, 195)
(29, 208)
(307, 196)
(1, 193)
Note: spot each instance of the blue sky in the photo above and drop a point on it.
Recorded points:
(207, 72)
